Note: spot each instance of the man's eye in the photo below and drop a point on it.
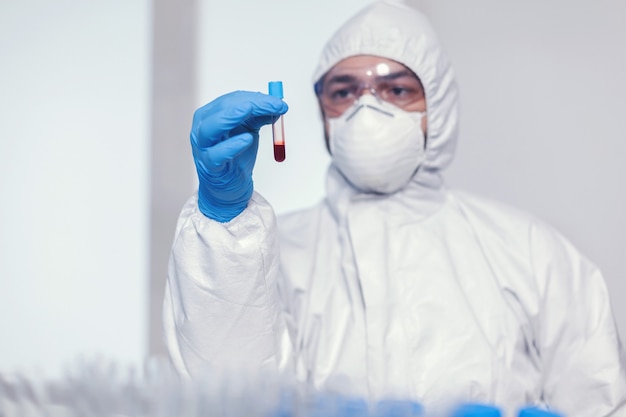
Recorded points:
(398, 91)
(341, 93)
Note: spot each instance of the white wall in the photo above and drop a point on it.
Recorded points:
(542, 89)
(73, 181)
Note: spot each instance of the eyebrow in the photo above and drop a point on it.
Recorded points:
(346, 78)
(397, 74)
(342, 78)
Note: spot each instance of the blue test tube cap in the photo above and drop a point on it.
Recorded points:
(276, 88)
(477, 410)
(398, 408)
(537, 412)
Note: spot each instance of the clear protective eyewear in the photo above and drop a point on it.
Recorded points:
(338, 90)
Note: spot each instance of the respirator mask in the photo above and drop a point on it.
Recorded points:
(377, 146)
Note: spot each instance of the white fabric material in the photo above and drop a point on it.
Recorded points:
(427, 293)
(376, 145)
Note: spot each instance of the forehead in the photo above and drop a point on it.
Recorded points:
(366, 65)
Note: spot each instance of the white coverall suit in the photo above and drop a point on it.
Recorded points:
(426, 293)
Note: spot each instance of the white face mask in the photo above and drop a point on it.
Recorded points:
(377, 146)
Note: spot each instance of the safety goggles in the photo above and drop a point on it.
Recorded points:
(395, 84)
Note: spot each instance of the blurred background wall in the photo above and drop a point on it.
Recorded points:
(74, 178)
(97, 100)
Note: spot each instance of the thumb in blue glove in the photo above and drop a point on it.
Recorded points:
(224, 141)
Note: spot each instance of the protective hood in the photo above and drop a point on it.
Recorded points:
(392, 29)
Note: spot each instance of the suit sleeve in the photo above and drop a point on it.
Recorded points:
(221, 308)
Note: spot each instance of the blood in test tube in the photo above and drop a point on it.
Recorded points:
(278, 127)
(278, 131)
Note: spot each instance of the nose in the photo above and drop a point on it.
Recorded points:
(368, 89)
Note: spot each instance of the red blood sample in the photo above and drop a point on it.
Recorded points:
(279, 152)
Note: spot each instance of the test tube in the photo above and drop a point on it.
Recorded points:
(278, 127)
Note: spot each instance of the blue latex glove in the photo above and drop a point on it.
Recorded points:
(224, 141)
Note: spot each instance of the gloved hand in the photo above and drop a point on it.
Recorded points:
(224, 142)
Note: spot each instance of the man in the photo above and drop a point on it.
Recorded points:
(393, 286)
